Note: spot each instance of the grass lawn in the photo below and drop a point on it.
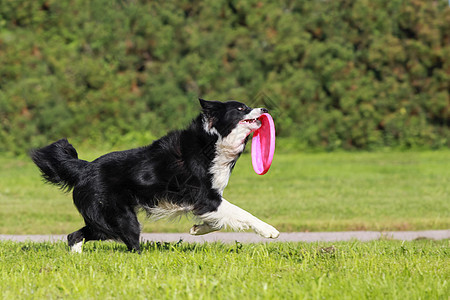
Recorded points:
(301, 192)
(343, 270)
(337, 191)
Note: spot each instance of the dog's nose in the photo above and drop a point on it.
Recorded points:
(264, 110)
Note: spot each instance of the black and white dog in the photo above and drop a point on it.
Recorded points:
(184, 171)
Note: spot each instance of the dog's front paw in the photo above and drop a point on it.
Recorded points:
(201, 229)
(267, 231)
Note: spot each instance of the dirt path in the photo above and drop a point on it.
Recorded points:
(248, 237)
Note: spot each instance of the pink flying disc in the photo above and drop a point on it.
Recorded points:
(263, 145)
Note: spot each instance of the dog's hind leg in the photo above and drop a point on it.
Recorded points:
(76, 239)
(131, 239)
(128, 229)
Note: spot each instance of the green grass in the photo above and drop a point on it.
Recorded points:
(336, 191)
(344, 270)
(301, 192)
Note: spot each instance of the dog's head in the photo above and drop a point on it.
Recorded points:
(224, 118)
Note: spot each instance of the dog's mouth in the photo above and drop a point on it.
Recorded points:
(252, 121)
(251, 124)
(249, 121)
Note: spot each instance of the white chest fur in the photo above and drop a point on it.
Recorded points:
(227, 151)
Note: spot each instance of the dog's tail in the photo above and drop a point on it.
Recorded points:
(59, 164)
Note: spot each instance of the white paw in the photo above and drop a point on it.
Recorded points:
(77, 248)
(267, 231)
(201, 229)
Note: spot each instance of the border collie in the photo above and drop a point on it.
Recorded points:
(185, 171)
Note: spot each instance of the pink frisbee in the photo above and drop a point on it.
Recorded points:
(263, 145)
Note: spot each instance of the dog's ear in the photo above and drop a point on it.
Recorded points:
(209, 107)
(211, 110)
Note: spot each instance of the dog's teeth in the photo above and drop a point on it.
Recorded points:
(250, 121)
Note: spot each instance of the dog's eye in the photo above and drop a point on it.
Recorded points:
(241, 108)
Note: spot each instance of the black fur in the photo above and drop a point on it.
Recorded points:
(109, 190)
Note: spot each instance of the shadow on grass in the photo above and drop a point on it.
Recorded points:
(153, 246)
(290, 251)
(114, 246)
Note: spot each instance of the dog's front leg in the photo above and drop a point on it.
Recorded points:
(229, 215)
(202, 229)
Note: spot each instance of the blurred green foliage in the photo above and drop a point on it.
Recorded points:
(337, 74)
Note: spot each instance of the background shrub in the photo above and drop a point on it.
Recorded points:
(337, 74)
